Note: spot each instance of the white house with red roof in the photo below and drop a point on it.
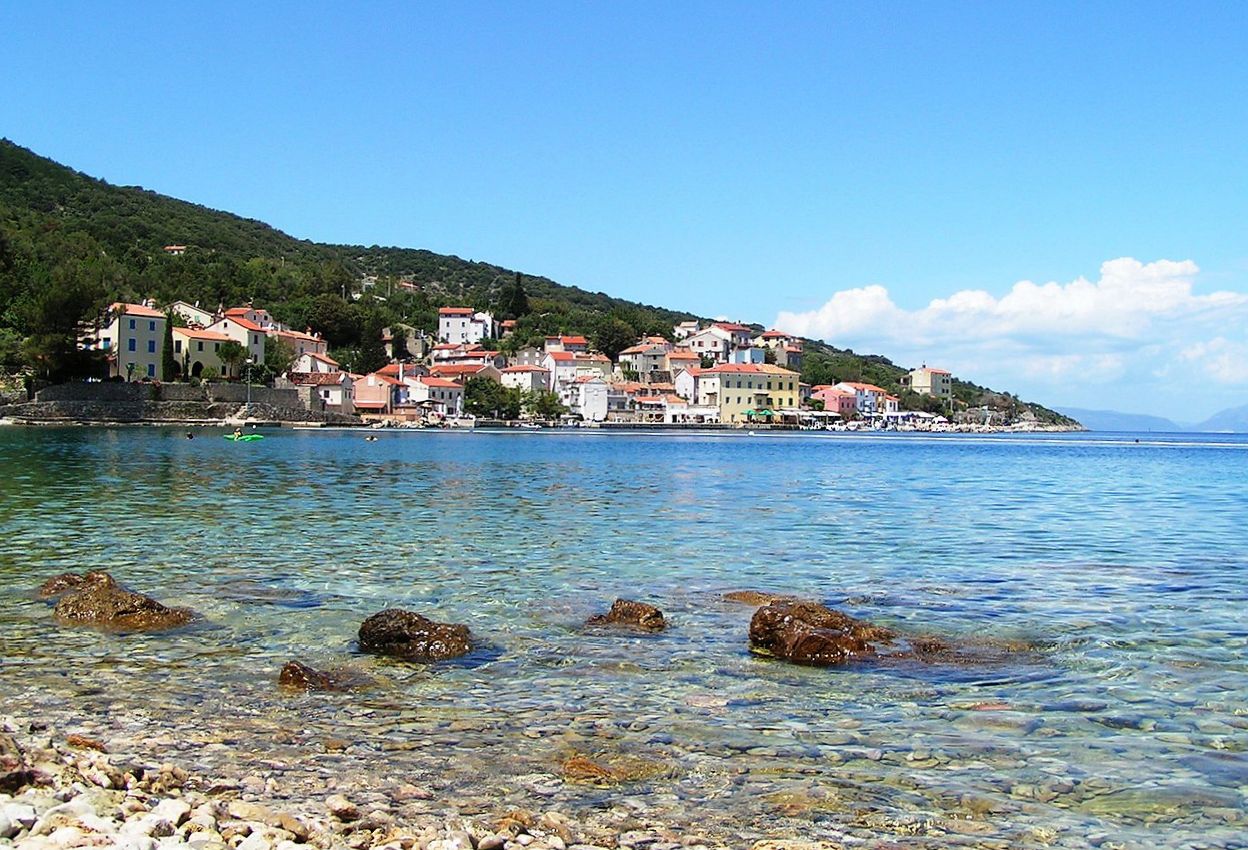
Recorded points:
(868, 398)
(528, 379)
(586, 396)
(193, 314)
(463, 325)
(311, 362)
(243, 330)
(133, 337)
(646, 359)
(566, 343)
(684, 330)
(331, 391)
(436, 395)
(301, 342)
(255, 315)
(461, 372)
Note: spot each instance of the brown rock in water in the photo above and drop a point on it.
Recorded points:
(99, 601)
(810, 633)
(73, 739)
(626, 612)
(16, 771)
(406, 634)
(754, 597)
(62, 583)
(297, 675)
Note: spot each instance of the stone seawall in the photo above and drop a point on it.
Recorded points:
(136, 402)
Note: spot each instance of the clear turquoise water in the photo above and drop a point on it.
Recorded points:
(1122, 564)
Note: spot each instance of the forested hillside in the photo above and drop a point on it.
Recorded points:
(70, 244)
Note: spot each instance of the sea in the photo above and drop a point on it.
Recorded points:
(1107, 574)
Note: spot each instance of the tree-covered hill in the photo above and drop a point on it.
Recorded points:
(70, 244)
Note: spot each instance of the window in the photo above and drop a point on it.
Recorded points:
(132, 324)
(151, 326)
(201, 345)
(131, 346)
(177, 346)
(151, 346)
(151, 370)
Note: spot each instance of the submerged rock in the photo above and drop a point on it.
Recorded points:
(297, 675)
(406, 634)
(99, 601)
(755, 597)
(64, 582)
(810, 633)
(16, 771)
(626, 612)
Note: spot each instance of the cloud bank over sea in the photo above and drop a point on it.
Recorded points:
(1139, 337)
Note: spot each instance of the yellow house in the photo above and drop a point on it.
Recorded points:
(928, 381)
(754, 387)
(134, 340)
(195, 350)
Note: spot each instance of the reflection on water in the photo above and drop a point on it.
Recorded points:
(1121, 567)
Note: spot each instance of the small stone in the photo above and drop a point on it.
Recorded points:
(342, 808)
(244, 810)
(173, 810)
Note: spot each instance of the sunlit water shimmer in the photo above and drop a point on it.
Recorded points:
(1121, 564)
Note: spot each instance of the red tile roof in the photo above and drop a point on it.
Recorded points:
(198, 333)
(517, 369)
(440, 383)
(124, 309)
(454, 311)
(315, 379)
(243, 323)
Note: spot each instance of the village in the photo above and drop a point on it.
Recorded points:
(721, 374)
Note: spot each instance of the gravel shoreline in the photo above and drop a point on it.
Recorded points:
(63, 790)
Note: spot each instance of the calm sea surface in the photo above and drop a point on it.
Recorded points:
(1121, 568)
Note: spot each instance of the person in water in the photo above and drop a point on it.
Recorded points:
(238, 432)
(189, 435)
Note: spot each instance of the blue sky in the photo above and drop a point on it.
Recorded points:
(765, 162)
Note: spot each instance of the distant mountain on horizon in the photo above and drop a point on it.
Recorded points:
(1113, 420)
(1232, 420)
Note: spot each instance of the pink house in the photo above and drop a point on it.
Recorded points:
(835, 401)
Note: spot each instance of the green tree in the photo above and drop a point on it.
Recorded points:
(232, 355)
(334, 319)
(544, 405)
(279, 356)
(613, 336)
(372, 350)
(513, 302)
(53, 315)
(487, 398)
(168, 363)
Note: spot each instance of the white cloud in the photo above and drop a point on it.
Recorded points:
(1137, 323)
(1224, 361)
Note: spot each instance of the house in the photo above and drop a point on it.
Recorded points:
(711, 342)
(193, 314)
(528, 357)
(868, 398)
(506, 328)
(566, 343)
(680, 360)
(464, 326)
(255, 315)
(310, 362)
(789, 356)
(400, 371)
(133, 338)
(586, 396)
(749, 390)
(841, 402)
(463, 371)
(749, 354)
(436, 395)
(473, 355)
(645, 360)
(565, 366)
(528, 379)
(928, 381)
(377, 395)
(174, 250)
(332, 391)
(890, 404)
(685, 330)
(243, 330)
(301, 343)
(738, 335)
(195, 350)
